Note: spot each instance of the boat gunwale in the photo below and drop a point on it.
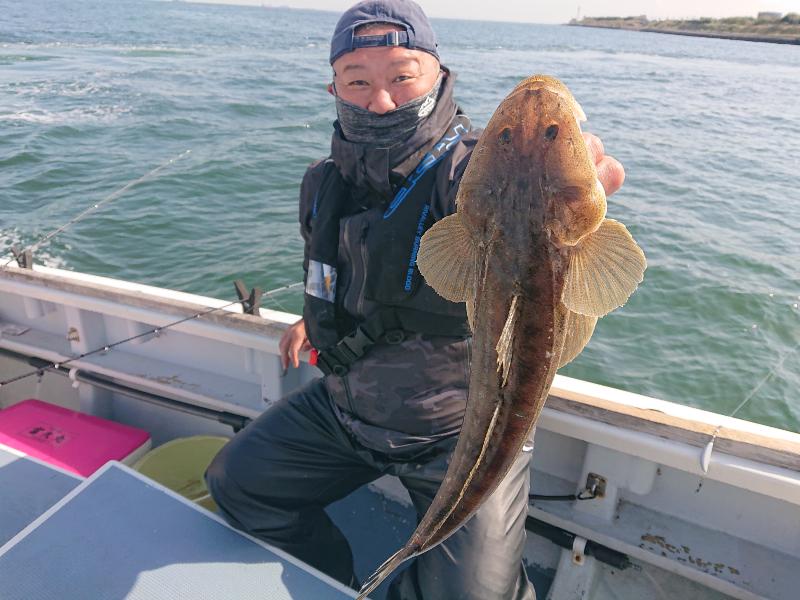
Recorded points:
(633, 412)
(176, 304)
(763, 444)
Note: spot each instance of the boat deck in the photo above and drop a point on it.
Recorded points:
(118, 535)
(129, 537)
(28, 488)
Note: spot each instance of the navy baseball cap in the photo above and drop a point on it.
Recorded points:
(417, 35)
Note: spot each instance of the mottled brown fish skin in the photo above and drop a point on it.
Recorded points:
(509, 195)
(523, 197)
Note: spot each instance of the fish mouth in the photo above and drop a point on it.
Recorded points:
(552, 85)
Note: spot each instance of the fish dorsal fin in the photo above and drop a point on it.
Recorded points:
(447, 259)
(604, 270)
(505, 345)
(579, 329)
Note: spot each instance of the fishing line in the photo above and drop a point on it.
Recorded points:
(225, 151)
(281, 306)
(46, 238)
(705, 459)
(155, 331)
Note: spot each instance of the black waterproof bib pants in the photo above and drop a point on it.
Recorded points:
(275, 477)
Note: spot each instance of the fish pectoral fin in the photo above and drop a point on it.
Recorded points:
(447, 259)
(579, 329)
(505, 345)
(604, 270)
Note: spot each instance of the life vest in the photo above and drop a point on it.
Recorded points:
(381, 244)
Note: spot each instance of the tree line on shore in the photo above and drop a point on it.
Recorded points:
(772, 25)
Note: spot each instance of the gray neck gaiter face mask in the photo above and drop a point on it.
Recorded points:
(362, 126)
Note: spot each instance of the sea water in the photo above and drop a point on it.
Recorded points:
(94, 94)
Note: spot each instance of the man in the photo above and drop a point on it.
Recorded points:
(395, 354)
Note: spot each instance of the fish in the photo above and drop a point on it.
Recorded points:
(531, 253)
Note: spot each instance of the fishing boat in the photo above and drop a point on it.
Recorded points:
(633, 497)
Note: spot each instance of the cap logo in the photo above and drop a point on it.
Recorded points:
(392, 38)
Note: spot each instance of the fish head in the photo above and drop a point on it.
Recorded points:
(536, 135)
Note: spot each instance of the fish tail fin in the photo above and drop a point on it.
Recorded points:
(384, 571)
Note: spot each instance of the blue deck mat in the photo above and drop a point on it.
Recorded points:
(119, 537)
(27, 489)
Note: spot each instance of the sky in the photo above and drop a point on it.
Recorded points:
(558, 11)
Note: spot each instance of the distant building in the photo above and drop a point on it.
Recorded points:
(769, 16)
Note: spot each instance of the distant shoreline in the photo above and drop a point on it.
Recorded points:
(742, 37)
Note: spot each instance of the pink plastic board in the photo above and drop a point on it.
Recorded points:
(71, 440)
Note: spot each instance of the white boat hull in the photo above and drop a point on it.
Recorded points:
(731, 529)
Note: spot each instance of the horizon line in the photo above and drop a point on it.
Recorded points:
(336, 12)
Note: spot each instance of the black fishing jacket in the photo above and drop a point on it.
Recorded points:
(406, 390)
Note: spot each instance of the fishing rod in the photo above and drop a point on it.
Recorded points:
(110, 198)
(155, 331)
(248, 303)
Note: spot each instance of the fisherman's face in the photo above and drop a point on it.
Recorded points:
(383, 78)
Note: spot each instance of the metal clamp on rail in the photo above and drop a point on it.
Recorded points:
(251, 301)
(24, 258)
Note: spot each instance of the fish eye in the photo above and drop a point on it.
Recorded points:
(505, 136)
(551, 132)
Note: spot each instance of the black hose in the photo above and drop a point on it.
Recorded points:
(564, 539)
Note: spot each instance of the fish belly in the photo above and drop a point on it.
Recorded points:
(499, 418)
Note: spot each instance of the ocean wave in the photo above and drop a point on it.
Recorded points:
(94, 114)
(10, 59)
(152, 51)
(60, 89)
(80, 88)
(26, 48)
(20, 159)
